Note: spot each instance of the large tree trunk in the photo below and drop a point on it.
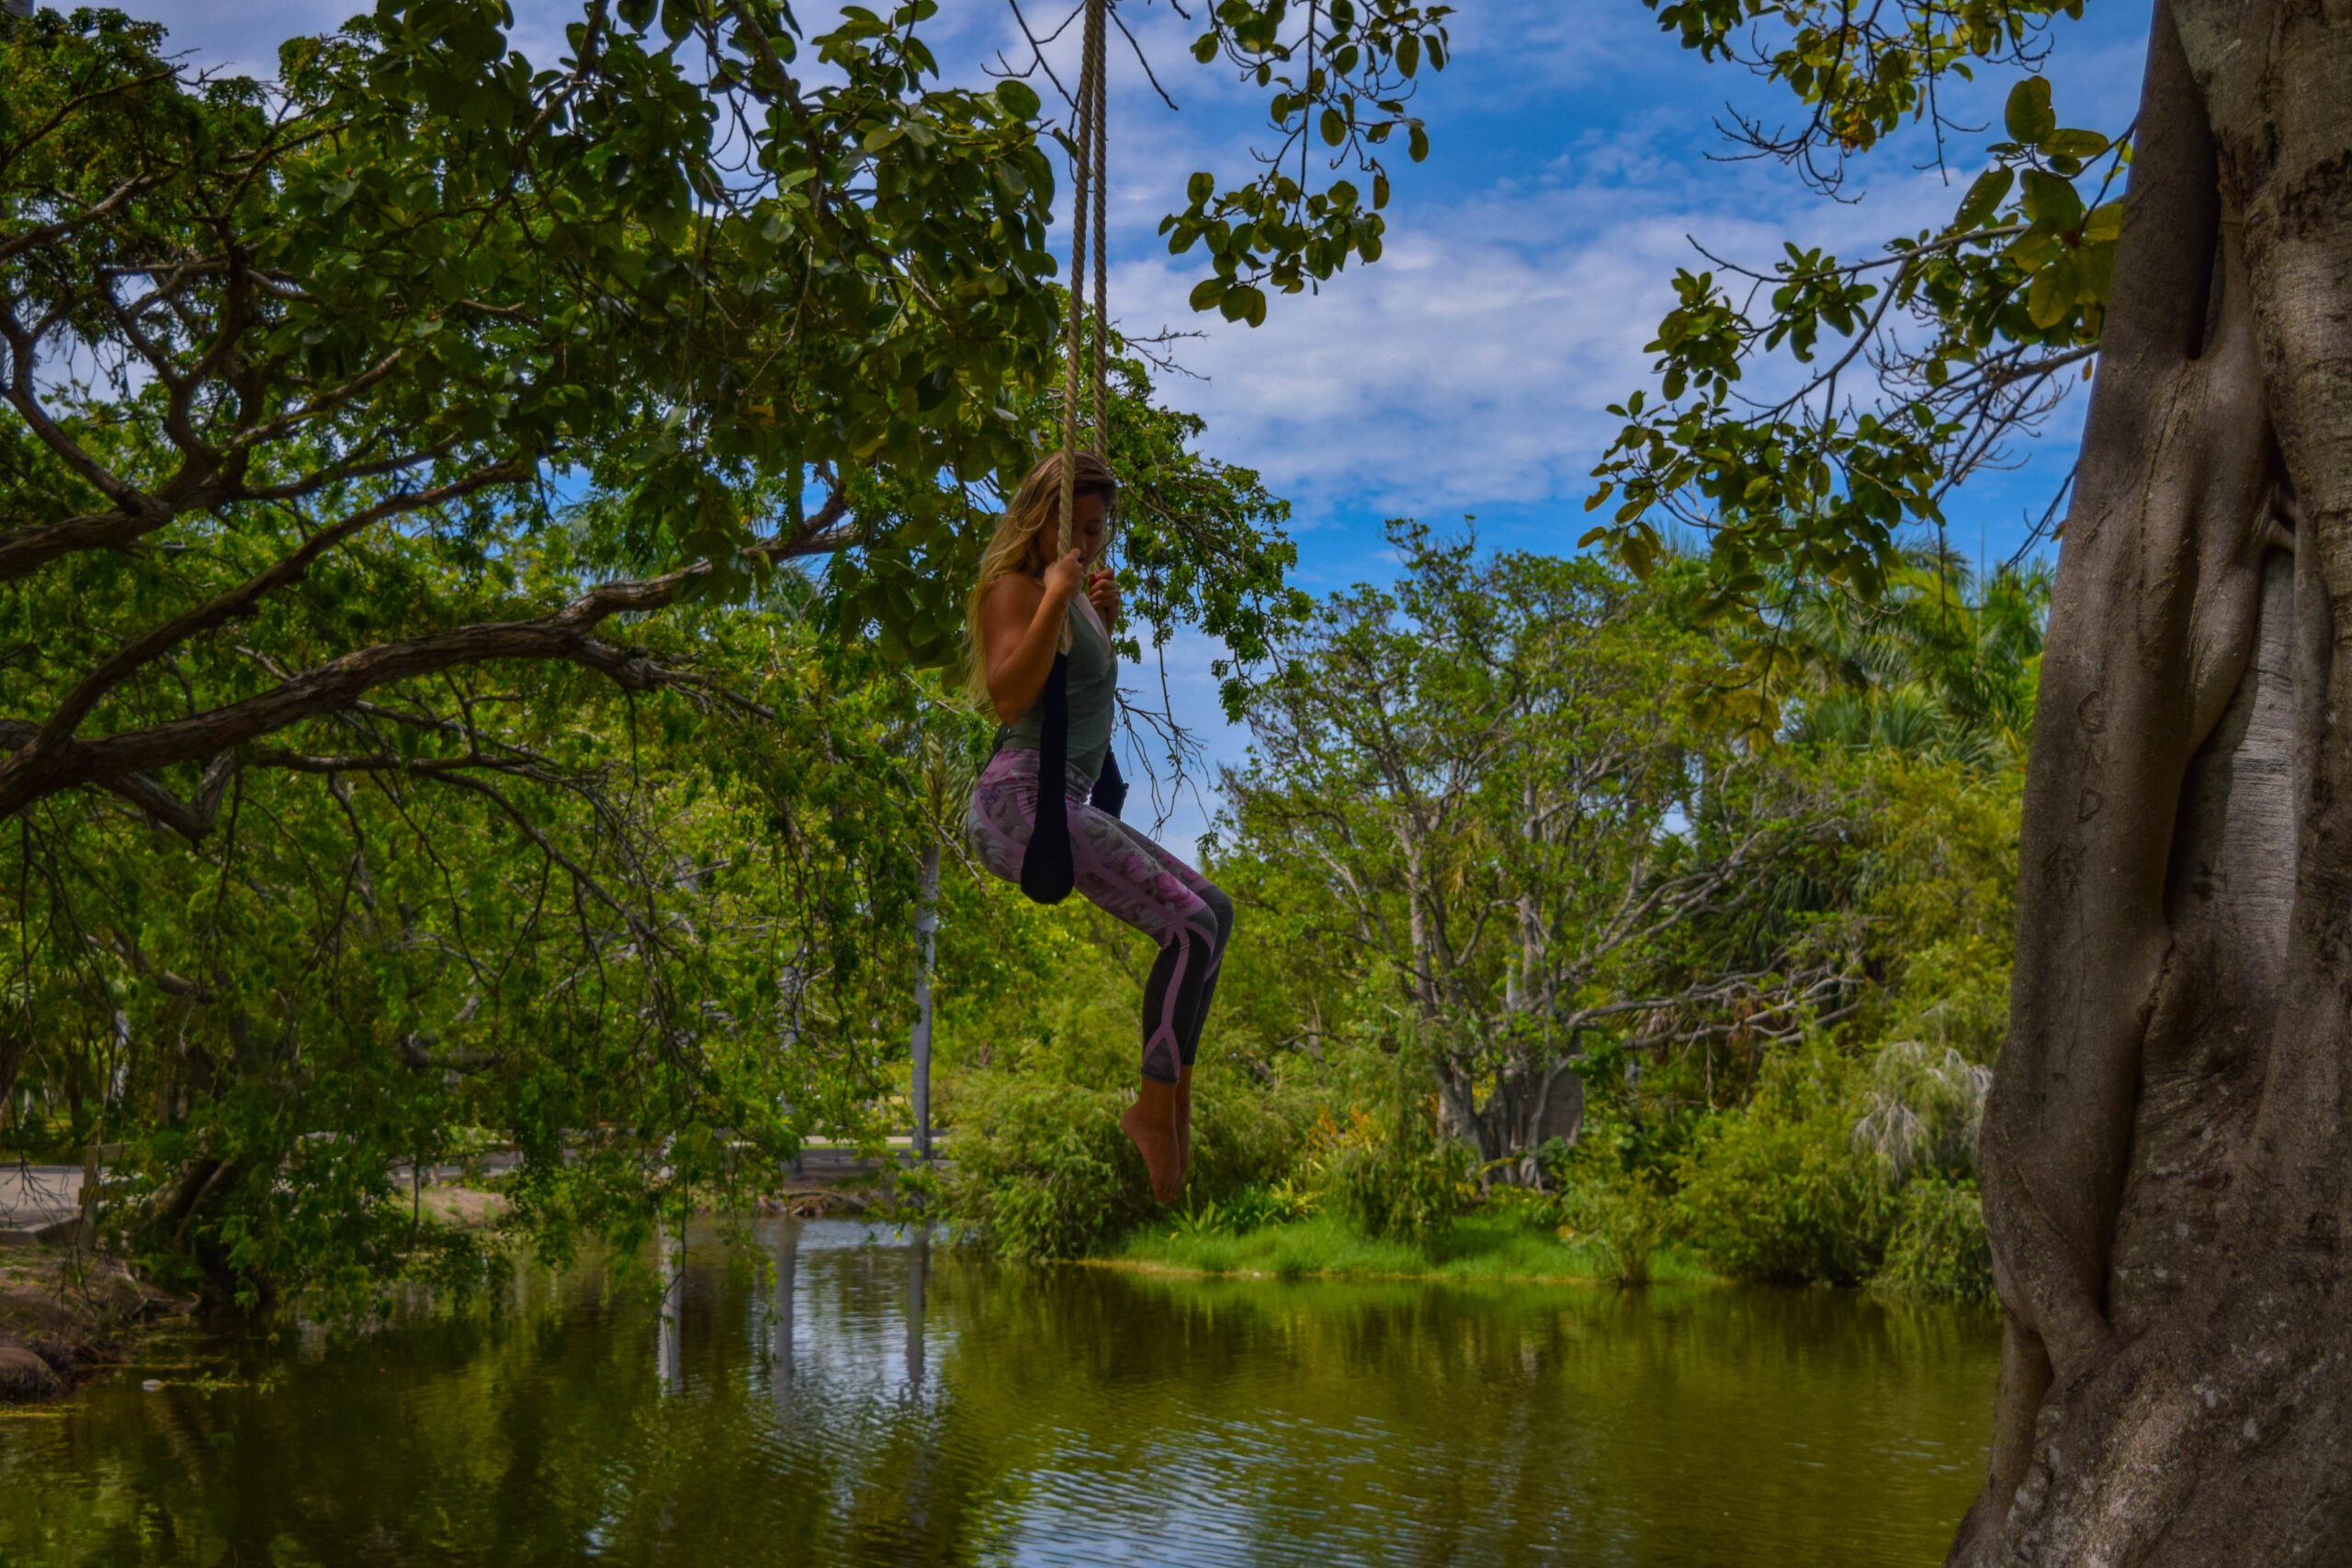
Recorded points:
(1527, 1108)
(2168, 1147)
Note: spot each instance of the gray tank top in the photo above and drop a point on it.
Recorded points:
(1093, 686)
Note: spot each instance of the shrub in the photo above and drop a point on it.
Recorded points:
(1922, 1109)
(1245, 1135)
(1779, 1191)
(1245, 1211)
(1624, 1215)
(1939, 1248)
(1396, 1177)
(1405, 1193)
(1042, 1169)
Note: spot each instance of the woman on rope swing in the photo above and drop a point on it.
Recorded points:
(1058, 710)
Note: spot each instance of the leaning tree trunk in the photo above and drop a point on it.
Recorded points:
(2168, 1147)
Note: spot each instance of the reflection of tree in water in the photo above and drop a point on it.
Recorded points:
(835, 1402)
(1409, 1423)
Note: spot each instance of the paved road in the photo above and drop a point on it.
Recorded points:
(33, 1198)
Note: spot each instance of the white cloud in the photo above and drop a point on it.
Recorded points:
(1473, 365)
(1523, 50)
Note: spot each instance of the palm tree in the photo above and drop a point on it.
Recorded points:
(1942, 667)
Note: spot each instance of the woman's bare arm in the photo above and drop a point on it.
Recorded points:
(1020, 623)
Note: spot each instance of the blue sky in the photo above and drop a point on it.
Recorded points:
(1528, 260)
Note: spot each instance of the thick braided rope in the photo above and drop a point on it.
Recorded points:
(1097, 44)
(1088, 93)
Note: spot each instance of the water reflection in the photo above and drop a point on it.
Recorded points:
(858, 1397)
(781, 1349)
(669, 1251)
(918, 1273)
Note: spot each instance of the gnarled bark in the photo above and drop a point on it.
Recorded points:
(2166, 1155)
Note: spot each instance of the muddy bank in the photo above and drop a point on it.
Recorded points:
(63, 1316)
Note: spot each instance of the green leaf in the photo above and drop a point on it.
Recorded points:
(1018, 98)
(2052, 202)
(2028, 116)
(2051, 293)
(1985, 197)
(1335, 126)
(2083, 144)
(1209, 292)
(2095, 266)
(2034, 250)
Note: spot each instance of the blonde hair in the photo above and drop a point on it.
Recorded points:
(1036, 509)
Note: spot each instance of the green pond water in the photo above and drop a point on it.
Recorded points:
(867, 1397)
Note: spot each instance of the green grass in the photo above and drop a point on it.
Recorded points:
(1487, 1247)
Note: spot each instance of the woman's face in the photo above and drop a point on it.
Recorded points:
(1090, 526)
(1090, 523)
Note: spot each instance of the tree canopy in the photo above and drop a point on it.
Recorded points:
(469, 526)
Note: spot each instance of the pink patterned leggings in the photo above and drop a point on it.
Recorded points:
(1120, 870)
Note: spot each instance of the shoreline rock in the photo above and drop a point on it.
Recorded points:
(65, 1316)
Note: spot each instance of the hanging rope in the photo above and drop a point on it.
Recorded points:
(1047, 871)
(1092, 145)
(1100, 173)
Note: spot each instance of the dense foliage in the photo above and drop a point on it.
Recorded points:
(471, 534)
(468, 527)
(1782, 1080)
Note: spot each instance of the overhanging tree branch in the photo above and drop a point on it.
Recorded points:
(38, 768)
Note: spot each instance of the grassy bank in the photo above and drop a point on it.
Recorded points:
(1478, 1247)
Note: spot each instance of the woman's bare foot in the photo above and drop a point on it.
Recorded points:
(1151, 1124)
(1184, 1118)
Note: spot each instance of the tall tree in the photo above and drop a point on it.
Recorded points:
(1480, 780)
(2167, 1148)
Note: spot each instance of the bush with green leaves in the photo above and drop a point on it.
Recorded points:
(1247, 1139)
(1405, 1194)
(1043, 1170)
(1407, 1181)
(1781, 1191)
(1940, 1248)
(1624, 1214)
